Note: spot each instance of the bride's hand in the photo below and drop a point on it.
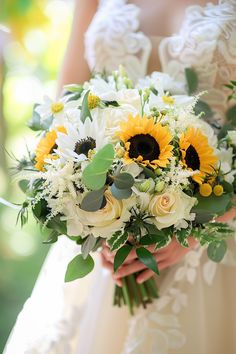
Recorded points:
(165, 257)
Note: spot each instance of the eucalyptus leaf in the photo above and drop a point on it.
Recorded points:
(93, 201)
(216, 250)
(94, 178)
(79, 268)
(212, 204)
(88, 245)
(146, 257)
(121, 256)
(85, 112)
(104, 157)
(120, 193)
(94, 175)
(124, 180)
(192, 80)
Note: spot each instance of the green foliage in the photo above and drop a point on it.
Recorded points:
(85, 112)
(93, 201)
(121, 256)
(208, 207)
(79, 268)
(159, 239)
(124, 180)
(88, 245)
(120, 193)
(95, 174)
(24, 185)
(51, 238)
(231, 115)
(36, 124)
(146, 257)
(182, 236)
(216, 250)
(202, 106)
(117, 240)
(57, 224)
(192, 80)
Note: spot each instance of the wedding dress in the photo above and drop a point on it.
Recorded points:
(196, 312)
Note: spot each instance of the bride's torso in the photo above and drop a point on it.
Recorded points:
(145, 36)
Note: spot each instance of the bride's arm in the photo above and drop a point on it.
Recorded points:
(75, 68)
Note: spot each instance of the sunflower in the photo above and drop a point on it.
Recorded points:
(45, 148)
(197, 154)
(145, 141)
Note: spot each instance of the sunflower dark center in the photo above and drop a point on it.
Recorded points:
(53, 148)
(192, 158)
(84, 145)
(144, 145)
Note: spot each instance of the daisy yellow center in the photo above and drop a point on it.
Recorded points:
(57, 107)
(168, 99)
(93, 101)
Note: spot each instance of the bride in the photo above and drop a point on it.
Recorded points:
(196, 312)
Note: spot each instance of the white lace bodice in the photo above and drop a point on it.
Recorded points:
(206, 42)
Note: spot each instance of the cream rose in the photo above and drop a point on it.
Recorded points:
(109, 219)
(170, 207)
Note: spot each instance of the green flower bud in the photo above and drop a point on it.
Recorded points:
(159, 186)
(158, 171)
(146, 186)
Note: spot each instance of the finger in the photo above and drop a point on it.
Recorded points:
(148, 273)
(106, 264)
(117, 281)
(129, 269)
(145, 275)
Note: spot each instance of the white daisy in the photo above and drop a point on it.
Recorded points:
(75, 145)
(58, 109)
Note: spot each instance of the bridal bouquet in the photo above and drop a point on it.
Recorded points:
(129, 166)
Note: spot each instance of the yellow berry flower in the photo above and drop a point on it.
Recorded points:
(93, 101)
(218, 190)
(205, 189)
(45, 148)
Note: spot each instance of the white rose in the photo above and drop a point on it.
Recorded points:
(170, 207)
(232, 136)
(130, 97)
(113, 117)
(109, 219)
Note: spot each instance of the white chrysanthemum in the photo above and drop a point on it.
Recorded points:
(164, 101)
(58, 109)
(226, 159)
(76, 144)
(162, 82)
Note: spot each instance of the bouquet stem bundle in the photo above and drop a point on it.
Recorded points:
(133, 294)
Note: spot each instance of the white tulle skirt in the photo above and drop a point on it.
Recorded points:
(195, 314)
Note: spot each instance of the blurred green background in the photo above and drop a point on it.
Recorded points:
(33, 37)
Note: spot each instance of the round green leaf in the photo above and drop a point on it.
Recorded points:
(94, 178)
(120, 193)
(93, 200)
(79, 268)
(124, 180)
(217, 250)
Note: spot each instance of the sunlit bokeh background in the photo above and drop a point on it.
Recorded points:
(33, 37)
